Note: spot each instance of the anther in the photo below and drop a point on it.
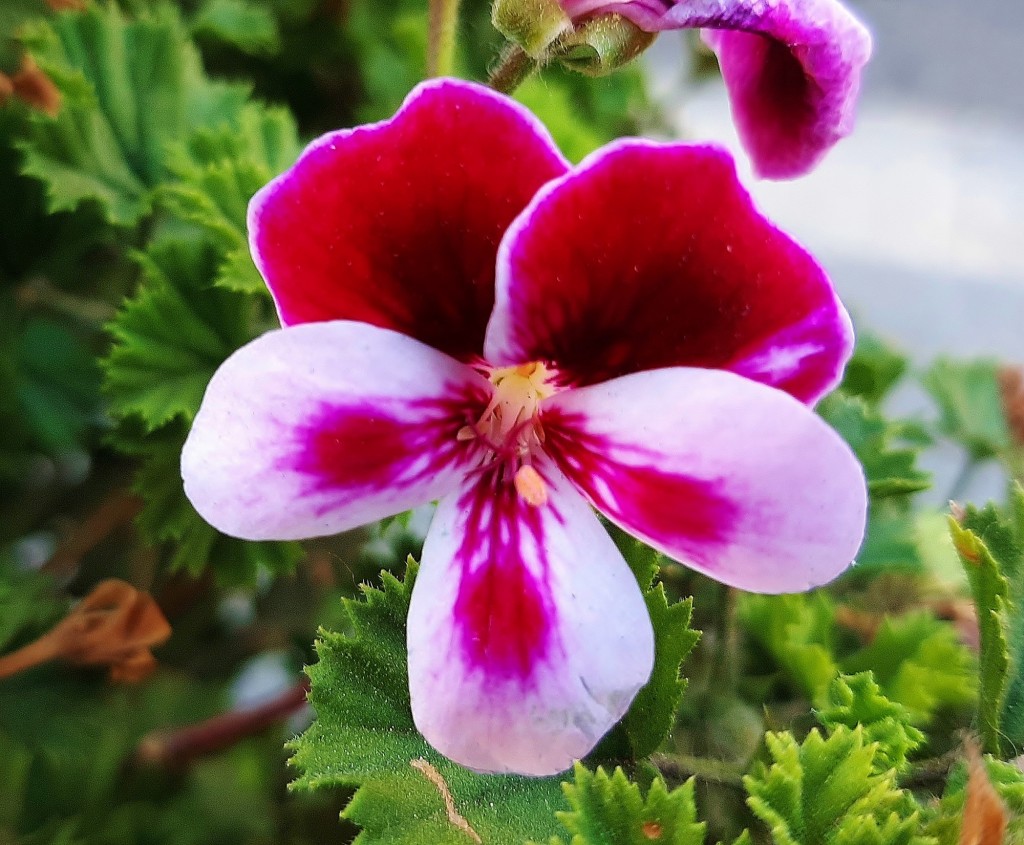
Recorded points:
(530, 486)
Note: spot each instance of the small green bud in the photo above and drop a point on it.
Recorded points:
(601, 45)
(532, 24)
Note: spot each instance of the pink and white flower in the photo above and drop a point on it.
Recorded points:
(792, 68)
(470, 319)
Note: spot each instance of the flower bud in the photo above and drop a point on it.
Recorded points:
(602, 44)
(532, 24)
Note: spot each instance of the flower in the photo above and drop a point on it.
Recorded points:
(792, 67)
(469, 319)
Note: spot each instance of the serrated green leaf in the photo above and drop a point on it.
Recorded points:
(857, 700)
(991, 594)
(970, 405)
(652, 713)
(830, 791)
(919, 663)
(798, 631)
(250, 27)
(890, 469)
(873, 370)
(892, 542)
(131, 88)
(171, 337)
(611, 810)
(364, 736)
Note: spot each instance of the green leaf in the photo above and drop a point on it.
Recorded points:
(28, 605)
(364, 737)
(171, 337)
(610, 810)
(874, 369)
(250, 27)
(970, 405)
(890, 469)
(991, 593)
(1008, 781)
(892, 542)
(653, 711)
(798, 632)
(918, 662)
(131, 88)
(830, 791)
(996, 539)
(857, 700)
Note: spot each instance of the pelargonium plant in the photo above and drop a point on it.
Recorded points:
(468, 318)
(506, 466)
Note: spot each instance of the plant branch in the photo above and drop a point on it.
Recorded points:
(442, 28)
(683, 766)
(177, 747)
(118, 508)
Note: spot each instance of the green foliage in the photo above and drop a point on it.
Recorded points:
(856, 700)
(825, 791)
(991, 593)
(970, 405)
(130, 89)
(874, 369)
(798, 631)
(990, 542)
(250, 27)
(945, 820)
(364, 737)
(27, 606)
(919, 663)
(610, 810)
(890, 468)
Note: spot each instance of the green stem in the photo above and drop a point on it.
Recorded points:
(511, 70)
(443, 26)
(683, 766)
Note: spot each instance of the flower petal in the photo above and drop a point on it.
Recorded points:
(730, 477)
(397, 224)
(792, 68)
(528, 635)
(317, 429)
(653, 255)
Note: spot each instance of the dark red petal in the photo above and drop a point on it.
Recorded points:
(397, 224)
(653, 255)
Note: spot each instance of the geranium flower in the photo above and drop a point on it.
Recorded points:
(792, 68)
(469, 319)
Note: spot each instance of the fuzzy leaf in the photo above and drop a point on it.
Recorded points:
(130, 89)
(991, 593)
(830, 791)
(873, 370)
(1001, 536)
(970, 405)
(652, 713)
(919, 663)
(798, 631)
(857, 700)
(890, 469)
(171, 337)
(364, 737)
(248, 26)
(610, 810)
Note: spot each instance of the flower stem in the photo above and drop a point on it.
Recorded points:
(442, 27)
(511, 70)
(683, 766)
(43, 650)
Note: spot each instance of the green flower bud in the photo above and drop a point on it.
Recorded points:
(532, 24)
(602, 44)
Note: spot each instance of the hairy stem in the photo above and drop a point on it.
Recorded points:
(443, 25)
(511, 70)
(683, 766)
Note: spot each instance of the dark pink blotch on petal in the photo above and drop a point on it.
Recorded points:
(397, 224)
(652, 255)
(690, 514)
(502, 612)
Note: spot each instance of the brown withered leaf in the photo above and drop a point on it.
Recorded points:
(35, 88)
(985, 814)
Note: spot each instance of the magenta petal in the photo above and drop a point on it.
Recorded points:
(397, 224)
(653, 255)
(792, 68)
(528, 636)
(730, 477)
(316, 429)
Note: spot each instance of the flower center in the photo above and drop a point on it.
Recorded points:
(510, 425)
